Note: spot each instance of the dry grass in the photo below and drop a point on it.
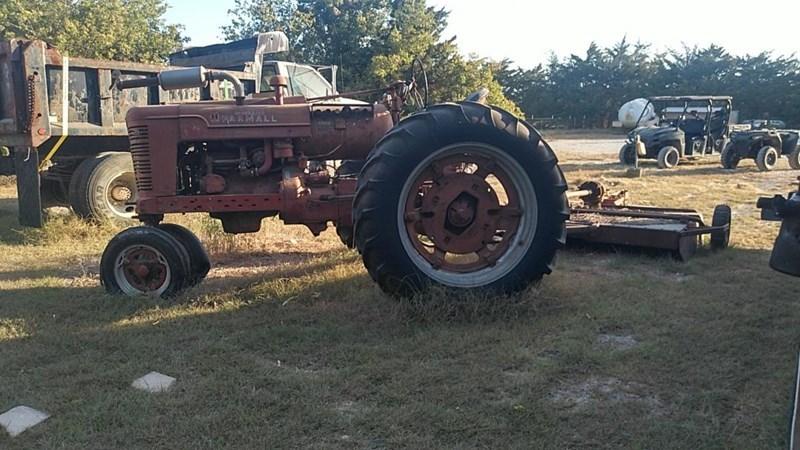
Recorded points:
(289, 344)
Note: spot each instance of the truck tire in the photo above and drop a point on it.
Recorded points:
(722, 216)
(461, 196)
(767, 158)
(794, 159)
(627, 155)
(729, 159)
(145, 261)
(199, 262)
(668, 157)
(102, 188)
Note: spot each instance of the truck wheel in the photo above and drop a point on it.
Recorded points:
(729, 158)
(199, 262)
(145, 261)
(103, 187)
(668, 157)
(767, 158)
(627, 155)
(722, 216)
(463, 196)
(794, 159)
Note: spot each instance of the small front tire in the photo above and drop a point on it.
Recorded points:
(199, 262)
(729, 159)
(668, 157)
(145, 261)
(627, 155)
(767, 159)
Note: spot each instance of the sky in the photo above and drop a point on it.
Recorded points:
(529, 31)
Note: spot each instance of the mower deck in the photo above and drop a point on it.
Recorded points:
(597, 221)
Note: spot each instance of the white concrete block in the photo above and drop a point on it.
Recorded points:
(154, 382)
(16, 420)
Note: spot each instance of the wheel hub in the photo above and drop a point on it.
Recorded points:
(457, 213)
(462, 213)
(144, 269)
(121, 193)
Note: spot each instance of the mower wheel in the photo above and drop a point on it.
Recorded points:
(104, 188)
(767, 158)
(199, 262)
(461, 196)
(794, 159)
(722, 216)
(729, 158)
(145, 261)
(627, 155)
(668, 157)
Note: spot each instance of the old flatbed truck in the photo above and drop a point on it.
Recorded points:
(69, 147)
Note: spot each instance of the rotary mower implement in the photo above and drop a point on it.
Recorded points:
(597, 218)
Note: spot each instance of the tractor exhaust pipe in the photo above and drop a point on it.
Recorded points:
(191, 77)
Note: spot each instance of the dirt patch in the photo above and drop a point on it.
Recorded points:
(605, 391)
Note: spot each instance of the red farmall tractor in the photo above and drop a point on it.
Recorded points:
(459, 195)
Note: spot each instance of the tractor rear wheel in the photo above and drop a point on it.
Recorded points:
(104, 188)
(767, 158)
(729, 158)
(145, 261)
(199, 262)
(460, 196)
(794, 159)
(668, 157)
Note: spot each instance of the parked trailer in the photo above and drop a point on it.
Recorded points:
(69, 147)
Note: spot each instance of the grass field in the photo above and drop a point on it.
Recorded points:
(289, 343)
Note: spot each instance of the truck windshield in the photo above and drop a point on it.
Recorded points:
(308, 82)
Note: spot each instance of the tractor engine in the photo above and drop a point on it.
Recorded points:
(246, 160)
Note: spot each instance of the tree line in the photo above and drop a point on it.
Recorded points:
(375, 42)
(586, 91)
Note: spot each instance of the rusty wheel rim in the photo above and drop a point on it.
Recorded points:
(142, 270)
(467, 215)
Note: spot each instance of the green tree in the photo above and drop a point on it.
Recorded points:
(132, 30)
(374, 42)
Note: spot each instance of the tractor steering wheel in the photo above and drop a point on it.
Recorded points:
(418, 85)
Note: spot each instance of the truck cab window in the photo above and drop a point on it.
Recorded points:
(308, 82)
(268, 70)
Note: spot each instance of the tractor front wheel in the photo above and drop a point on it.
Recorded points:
(627, 155)
(463, 197)
(199, 262)
(145, 261)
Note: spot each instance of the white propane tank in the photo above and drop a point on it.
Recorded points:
(630, 112)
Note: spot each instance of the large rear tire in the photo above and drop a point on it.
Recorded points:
(104, 188)
(462, 196)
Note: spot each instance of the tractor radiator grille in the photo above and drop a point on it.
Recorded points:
(139, 141)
